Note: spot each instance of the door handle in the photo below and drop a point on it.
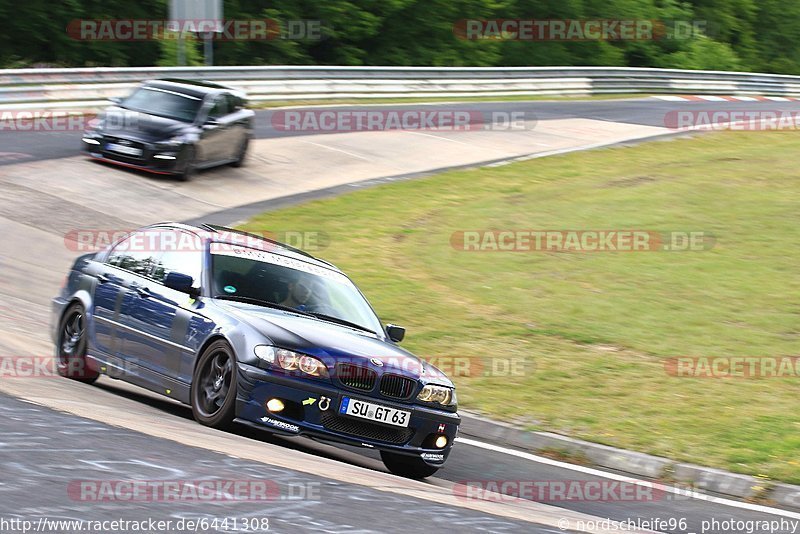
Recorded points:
(142, 291)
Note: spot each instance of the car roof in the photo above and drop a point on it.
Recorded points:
(222, 234)
(195, 88)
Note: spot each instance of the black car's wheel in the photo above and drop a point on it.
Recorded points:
(214, 386)
(407, 466)
(71, 349)
(242, 154)
(190, 168)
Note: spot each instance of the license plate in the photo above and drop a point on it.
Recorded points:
(122, 149)
(374, 412)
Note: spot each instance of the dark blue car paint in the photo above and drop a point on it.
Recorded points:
(150, 335)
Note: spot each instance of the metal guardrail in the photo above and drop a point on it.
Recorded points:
(88, 87)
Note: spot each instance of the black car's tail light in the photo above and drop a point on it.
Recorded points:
(356, 377)
(396, 386)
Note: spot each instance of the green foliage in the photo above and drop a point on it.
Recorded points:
(761, 35)
(705, 54)
(169, 51)
(778, 36)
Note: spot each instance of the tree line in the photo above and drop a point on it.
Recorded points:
(751, 35)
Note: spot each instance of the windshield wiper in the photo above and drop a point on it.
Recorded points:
(337, 320)
(260, 302)
(268, 304)
(162, 115)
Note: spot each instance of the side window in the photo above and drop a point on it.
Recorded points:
(182, 252)
(234, 103)
(220, 108)
(133, 255)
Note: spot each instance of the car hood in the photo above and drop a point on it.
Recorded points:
(141, 126)
(333, 343)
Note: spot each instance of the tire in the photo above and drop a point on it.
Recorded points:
(214, 386)
(407, 466)
(191, 166)
(242, 153)
(71, 346)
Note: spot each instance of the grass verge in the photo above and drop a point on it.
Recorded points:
(594, 329)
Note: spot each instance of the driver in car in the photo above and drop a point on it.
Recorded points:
(299, 294)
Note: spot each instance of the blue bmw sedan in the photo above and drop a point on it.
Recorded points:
(249, 330)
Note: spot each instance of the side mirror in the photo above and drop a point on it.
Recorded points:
(395, 333)
(181, 282)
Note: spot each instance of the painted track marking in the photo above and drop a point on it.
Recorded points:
(613, 476)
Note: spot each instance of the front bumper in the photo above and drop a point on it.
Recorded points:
(153, 158)
(256, 386)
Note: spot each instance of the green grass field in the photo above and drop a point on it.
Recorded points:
(595, 328)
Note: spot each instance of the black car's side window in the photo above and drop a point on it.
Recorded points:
(234, 103)
(185, 256)
(132, 255)
(220, 108)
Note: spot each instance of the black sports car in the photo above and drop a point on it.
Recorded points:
(173, 127)
(247, 329)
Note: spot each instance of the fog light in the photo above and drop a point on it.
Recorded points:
(275, 405)
(441, 442)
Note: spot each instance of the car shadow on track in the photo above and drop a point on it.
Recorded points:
(200, 175)
(170, 407)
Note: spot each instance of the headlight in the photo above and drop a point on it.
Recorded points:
(312, 366)
(293, 361)
(266, 353)
(438, 394)
(288, 360)
(172, 142)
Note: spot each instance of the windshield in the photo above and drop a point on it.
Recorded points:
(164, 103)
(249, 273)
